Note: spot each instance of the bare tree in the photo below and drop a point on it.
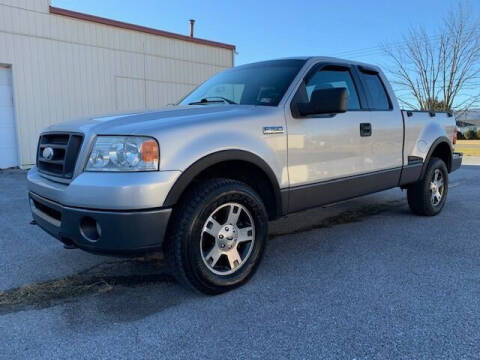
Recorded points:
(442, 72)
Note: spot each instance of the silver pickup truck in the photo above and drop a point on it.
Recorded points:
(200, 180)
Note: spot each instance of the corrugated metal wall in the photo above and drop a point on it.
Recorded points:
(65, 68)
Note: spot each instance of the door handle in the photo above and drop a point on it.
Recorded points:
(365, 129)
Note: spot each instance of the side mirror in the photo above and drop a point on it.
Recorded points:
(325, 101)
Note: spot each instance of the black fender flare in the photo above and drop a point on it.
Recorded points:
(436, 143)
(218, 157)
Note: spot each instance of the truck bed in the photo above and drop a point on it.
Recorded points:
(422, 128)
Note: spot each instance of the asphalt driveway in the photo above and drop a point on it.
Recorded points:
(364, 279)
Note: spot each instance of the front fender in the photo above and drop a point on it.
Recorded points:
(271, 150)
(183, 145)
(215, 158)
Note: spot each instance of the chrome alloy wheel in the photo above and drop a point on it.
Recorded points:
(227, 238)
(437, 187)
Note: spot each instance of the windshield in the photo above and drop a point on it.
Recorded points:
(262, 83)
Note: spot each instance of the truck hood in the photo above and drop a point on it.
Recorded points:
(142, 123)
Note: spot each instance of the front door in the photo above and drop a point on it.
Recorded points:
(322, 148)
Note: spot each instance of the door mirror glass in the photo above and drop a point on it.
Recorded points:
(325, 101)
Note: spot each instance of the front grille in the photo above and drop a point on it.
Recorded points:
(61, 158)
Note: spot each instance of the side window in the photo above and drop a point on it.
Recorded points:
(374, 86)
(325, 79)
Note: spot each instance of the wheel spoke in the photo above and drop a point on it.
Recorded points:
(212, 227)
(213, 256)
(234, 258)
(233, 215)
(227, 239)
(245, 234)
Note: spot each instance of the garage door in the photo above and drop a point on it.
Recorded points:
(8, 143)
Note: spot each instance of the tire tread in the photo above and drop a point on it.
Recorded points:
(418, 193)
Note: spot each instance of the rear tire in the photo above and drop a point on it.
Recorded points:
(427, 196)
(217, 236)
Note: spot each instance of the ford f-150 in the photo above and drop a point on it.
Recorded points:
(200, 180)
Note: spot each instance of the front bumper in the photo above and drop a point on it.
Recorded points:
(105, 190)
(105, 232)
(456, 161)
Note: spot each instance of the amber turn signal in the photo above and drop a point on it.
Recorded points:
(149, 151)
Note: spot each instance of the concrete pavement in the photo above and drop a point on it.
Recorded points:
(363, 279)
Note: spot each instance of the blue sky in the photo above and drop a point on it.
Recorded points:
(265, 29)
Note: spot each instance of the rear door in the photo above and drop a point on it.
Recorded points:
(383, 146)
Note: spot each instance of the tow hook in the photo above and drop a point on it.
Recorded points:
(68, 244)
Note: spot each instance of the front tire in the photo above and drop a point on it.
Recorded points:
(427, 197)
(217, 236)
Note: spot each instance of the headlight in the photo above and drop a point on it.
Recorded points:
(124, 153)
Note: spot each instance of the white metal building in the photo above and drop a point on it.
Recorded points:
(57, 65)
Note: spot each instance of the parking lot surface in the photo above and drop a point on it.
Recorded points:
(363, 279)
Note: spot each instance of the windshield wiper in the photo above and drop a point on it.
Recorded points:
(211, 99)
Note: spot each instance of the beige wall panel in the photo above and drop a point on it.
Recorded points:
(130, 94)
(65, 68)
(35, 5)
(160, 94)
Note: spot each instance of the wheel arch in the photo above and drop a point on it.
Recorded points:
(442, 149)
(244, 166)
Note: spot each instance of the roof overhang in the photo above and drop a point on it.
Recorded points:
(128, 26)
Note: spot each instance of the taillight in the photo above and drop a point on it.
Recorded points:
(454, 141)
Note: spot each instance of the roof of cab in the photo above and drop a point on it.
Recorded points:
(318, 59)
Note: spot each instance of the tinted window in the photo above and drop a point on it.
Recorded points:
(325, 79)
(378, 96)
(256, 84)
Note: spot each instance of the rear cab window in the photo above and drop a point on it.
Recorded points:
(377, 95)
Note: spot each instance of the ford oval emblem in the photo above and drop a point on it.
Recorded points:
(47, 153)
